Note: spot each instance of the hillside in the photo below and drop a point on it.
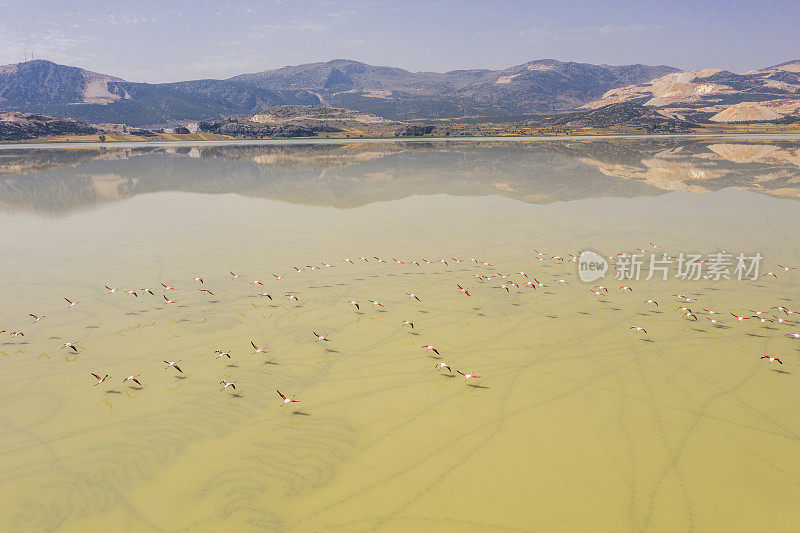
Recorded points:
(301, 121)
(768, 94)
(542, 85)
(48, 88)
(626, 114)
(22, 126)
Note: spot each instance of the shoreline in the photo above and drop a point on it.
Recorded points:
(57, 143)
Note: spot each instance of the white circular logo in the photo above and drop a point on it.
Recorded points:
(591, 266)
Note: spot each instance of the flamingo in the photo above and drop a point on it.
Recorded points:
(285, 399)
(98, 378)
(132, 378)
(257, 349)
(174, 364)
(467, 376)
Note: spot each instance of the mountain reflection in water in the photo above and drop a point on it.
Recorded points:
(347, 175)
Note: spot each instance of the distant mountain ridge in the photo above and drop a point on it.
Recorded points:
(538, 86)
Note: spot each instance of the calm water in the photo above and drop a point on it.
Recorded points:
(576, 423)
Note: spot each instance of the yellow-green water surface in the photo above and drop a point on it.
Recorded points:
(576, 423)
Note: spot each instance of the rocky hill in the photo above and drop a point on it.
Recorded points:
(299, 121)
(625, 114)
(22, 126)
(714, 95)
(48, 88)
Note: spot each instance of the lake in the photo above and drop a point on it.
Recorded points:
(576, 420)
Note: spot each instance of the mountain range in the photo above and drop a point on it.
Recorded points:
(538, 86)
(535, 88)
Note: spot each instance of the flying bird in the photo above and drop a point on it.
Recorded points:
(257, 349)
(174, 364)
(132, 378)
(98, 378)
(467, 376)
(285, 399)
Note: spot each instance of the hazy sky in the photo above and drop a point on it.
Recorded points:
(176, 40)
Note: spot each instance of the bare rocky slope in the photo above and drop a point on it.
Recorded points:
(768, 94)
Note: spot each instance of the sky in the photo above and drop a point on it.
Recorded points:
(161, 41)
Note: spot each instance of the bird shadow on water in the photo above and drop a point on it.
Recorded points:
(113, 391)
(476, 386)
(180, 377)
(237, 395)
(300, 413)
(755, 335)
(331, 350)
(231, 365)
